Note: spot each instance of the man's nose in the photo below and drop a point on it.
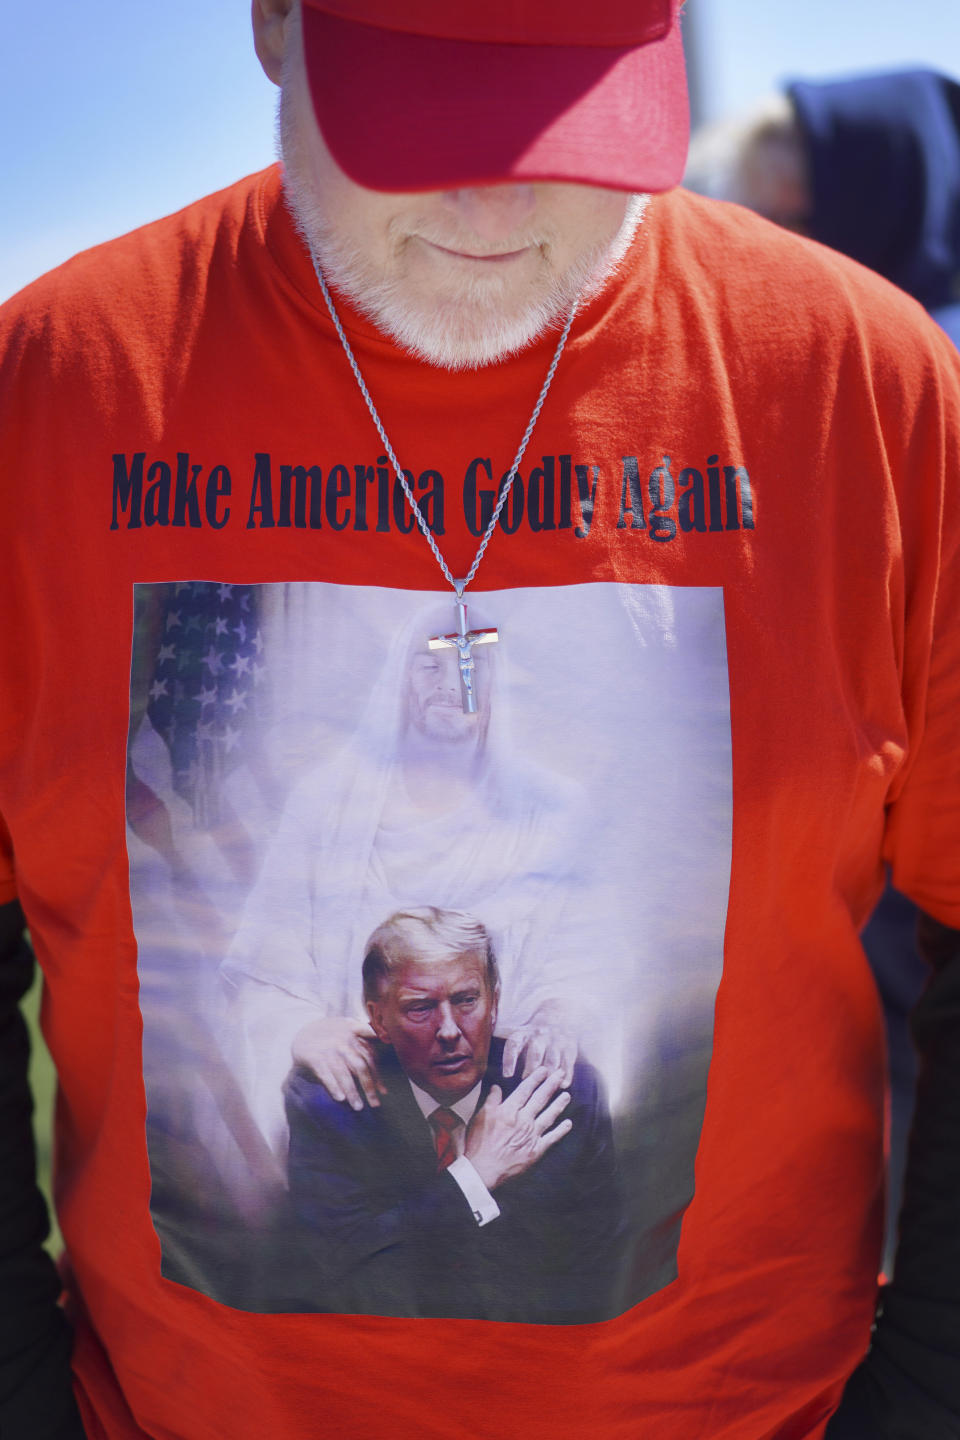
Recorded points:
(448, 681)
(447, 1028)
(493, 212)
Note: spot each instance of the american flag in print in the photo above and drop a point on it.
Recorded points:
(208, 684)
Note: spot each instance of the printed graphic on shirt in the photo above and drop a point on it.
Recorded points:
(429, 938)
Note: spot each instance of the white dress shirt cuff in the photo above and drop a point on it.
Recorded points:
(477, 1196)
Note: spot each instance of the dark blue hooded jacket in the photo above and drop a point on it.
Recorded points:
(884, 156)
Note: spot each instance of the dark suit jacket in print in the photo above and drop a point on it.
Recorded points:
(378, 1231)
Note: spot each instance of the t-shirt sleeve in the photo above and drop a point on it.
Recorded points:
(922, 841)
(8, 883)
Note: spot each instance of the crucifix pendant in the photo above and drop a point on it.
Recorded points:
(463, 642)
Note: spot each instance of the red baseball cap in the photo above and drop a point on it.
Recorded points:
(436, 94)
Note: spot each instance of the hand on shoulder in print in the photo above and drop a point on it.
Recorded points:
(546, 1039)
(339, 1052)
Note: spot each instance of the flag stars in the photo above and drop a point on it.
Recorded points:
(258, 642)
(221, 626)
(213, 661)
(174, 618)
(158, 688)
(236, 701)
(258, 672)
(241, 630)
(230, 738)
(224, 591)
(194, 623)
(240, 665)
(167, 652)
(205, 697)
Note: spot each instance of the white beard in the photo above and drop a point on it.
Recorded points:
(473, 324)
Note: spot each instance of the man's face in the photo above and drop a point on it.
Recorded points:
(462, 277)
(439, 1016)
(434, 705)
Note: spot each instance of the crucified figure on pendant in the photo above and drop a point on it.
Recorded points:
(463, 642)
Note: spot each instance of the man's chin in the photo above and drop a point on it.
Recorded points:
(449, 724)
(464, 342)
(458, 327)
(448, 1084)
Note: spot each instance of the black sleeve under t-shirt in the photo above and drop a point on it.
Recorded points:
(36, 1392)
(908, 1386)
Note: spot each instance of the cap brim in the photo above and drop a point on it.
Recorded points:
(411, 112)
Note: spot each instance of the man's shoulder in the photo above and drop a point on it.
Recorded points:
(302, 1091)
(305, 1095)
(137, 280)
(725, 268)
(315, 1117)
(585, 1087)
(735, 244)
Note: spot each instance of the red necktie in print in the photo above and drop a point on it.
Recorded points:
(444, 1123)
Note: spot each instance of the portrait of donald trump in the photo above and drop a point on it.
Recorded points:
(457, 1191)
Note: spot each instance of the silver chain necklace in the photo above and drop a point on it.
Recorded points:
(463, 639)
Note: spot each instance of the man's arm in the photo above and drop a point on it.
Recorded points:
(36, 1392)
(373, 1219)
(908, 1386)
(369, 1215)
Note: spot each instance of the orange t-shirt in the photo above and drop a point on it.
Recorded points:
(725, 689)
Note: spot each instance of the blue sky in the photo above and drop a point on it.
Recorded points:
(747, 46)
(116, 111)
